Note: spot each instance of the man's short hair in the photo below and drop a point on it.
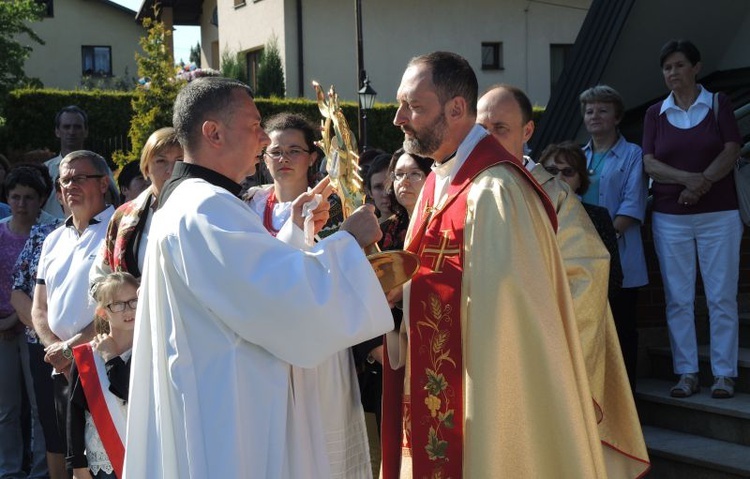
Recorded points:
(527, 111)
(602, 94)
(72, 109)
(452, 76)
(94, 159)
(202, 99)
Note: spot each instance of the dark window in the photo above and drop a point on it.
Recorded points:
(49, 6)
(97, 61)
(215, 17)
(558, 55)
(492, 55)
(253, 60)
(239, 3)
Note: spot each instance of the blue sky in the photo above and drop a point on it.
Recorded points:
(184, 37)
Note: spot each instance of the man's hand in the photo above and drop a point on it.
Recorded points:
(54, 356)
(363, 225)
(321, 213)
(105, 345)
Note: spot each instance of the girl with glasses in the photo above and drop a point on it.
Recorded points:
(99, 380)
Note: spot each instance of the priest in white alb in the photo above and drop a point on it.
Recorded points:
(225, 309)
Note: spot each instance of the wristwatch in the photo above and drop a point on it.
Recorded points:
(67, 352)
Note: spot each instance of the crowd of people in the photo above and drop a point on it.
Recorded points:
(175, 324)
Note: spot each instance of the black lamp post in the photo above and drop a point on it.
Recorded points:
(366, 100)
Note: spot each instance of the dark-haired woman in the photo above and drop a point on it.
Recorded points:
(690, 144)
(27, 189)
(326, 398)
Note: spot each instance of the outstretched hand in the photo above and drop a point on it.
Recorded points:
(363, 225)
(321, 213)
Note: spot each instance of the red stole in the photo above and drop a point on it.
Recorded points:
(94, 392)
(430, 422)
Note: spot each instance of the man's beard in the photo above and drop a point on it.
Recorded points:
(428, 140)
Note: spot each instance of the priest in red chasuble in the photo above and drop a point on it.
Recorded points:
(485, 377)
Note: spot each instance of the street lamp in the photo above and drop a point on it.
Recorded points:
(367, 96)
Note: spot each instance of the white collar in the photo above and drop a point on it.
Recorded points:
(450, 168)
(704, 97)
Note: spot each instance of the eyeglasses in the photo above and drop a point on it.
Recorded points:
(119, 306)
(290, 153)
(76, 180)
(567, 171)
(413, 176)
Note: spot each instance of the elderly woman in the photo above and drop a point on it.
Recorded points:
(615, 171)
(567, 162)
(690, 144)
(127, 235)
(27, 189)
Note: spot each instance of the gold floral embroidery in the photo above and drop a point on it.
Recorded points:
(432, 329)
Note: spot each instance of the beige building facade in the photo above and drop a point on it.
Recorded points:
(97, 38)
(523, 42)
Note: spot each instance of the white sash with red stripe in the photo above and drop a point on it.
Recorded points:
(106, 409)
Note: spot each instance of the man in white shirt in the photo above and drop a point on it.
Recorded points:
(61, 311)
(72, 128)
(226, 309)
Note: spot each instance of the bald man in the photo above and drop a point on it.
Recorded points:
(505, 111)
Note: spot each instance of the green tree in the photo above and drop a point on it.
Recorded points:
(195, 55)
(233, 65)
(153, 102)
(271, 72)
(15, 17)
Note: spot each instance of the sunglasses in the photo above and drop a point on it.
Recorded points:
(567, 171)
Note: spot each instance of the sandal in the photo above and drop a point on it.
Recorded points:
(686, 387)
(723, 388)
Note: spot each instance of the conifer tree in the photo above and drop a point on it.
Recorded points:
(154, 99)
(271, 72)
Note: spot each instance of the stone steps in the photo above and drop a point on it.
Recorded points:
(676, 455)
(722, 419)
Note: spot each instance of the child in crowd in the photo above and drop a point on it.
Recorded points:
(99, 381)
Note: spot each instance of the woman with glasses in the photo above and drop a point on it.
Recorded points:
(618, 183)
(127, 233)
(567, 162)
(327, 396)
(99, 378)
(406, 175)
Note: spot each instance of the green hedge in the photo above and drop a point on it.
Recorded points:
(30, 119)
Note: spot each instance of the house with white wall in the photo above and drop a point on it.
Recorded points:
(522, 42)
(96, 38)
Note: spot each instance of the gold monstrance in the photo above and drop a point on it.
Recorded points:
(393, 268)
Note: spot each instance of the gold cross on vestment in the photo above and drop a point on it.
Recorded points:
(442, 250)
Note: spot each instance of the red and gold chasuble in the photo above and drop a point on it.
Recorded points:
(430, 421)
